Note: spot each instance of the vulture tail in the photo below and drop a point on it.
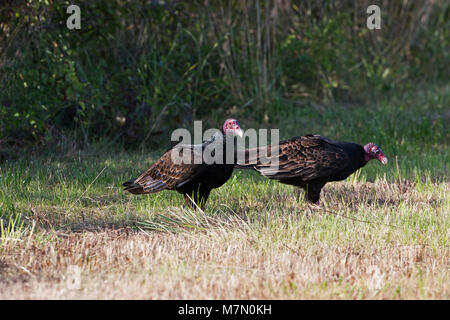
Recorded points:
(249, 158)
(132, 187)
(242, 161)
(244, 166)
(149, 185)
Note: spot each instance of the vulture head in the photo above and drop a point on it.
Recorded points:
(232, 127)
(374, 152)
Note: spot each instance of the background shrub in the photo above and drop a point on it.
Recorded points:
(138, 69)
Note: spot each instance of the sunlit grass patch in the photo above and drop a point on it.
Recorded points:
(381, 234)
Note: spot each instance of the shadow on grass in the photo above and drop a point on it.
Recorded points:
(76, 196)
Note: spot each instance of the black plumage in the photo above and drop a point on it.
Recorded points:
(309, 162)
(195, 180)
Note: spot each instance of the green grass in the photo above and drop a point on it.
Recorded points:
(382, 233)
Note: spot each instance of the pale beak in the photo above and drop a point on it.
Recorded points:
(383, 160)
(239, 132)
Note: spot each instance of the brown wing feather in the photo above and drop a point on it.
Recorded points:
(307, 157)
(167, 174)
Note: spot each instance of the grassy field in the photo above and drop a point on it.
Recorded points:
(69, 231)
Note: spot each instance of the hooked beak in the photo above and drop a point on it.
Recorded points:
(383, 159)
(239, 132)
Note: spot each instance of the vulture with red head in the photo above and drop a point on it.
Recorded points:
(309, 162)
(188, 170)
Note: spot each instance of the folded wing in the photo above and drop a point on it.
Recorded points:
(175, 168)
(307, 158)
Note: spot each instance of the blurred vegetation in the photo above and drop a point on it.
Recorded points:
(138, 69)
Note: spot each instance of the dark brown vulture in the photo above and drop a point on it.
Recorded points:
(309, 162)
(185, 168)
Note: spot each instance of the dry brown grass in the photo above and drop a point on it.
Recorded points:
(401, 252)
(132, 265)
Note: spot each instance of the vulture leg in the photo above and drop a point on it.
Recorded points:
(313, 191)
(203, 195)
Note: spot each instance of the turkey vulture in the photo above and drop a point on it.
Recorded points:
(309, 162)
(186, 175)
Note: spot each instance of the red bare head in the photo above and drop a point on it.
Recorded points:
(231, 126)
(374, 152)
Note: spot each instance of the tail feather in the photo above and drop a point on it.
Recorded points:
(243, 160)
(128, 183)
(252, 158)
(244, 166)
(152, 186)
(132, 187)
(148, 185)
